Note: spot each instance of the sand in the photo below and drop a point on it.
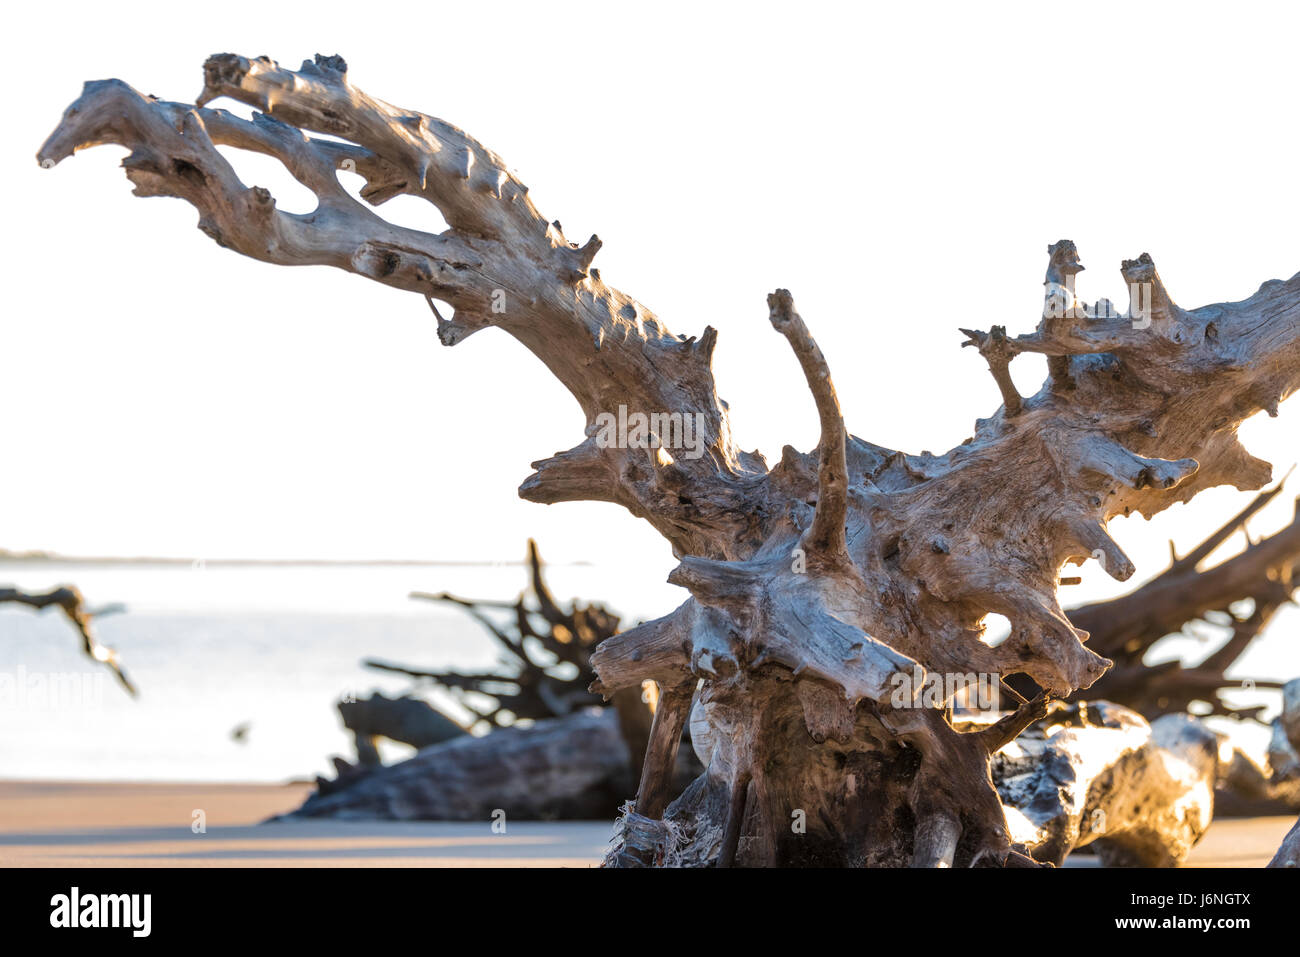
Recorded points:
(100, 824)
(84, 824)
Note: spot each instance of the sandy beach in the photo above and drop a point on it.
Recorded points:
(101, 824)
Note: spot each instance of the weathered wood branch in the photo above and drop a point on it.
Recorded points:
(539, 637)
(1266, 574)
(68, 599)
(998, 354)
(826, 534)
(798, 663)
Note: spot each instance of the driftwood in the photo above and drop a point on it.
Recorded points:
(1283, 754)
(1258, 777)
(1093, 775)
(405, 719)
(1284, 746)
(818, 583)
(1288, 855)
(68, 599)
(1123, 629)
(541, 638)
(575, 767)
(1096, 773)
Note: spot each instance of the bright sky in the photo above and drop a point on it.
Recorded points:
(901, 169)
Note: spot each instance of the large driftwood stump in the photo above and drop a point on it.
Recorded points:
(817, 584)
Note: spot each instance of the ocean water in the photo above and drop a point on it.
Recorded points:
(216, 646)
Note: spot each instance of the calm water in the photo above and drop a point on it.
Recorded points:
(212, 648)
(276, 646)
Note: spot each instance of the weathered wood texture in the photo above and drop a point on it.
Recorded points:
(1239, 597)
(815, 582)
(540, 639)
(575, 767)
(539, 636)
(405, 719)
(1283, 756)
(1096, 773)
(1084, 775)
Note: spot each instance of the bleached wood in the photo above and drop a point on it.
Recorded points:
(1098, 774)
(816, 581)
(1287, 726)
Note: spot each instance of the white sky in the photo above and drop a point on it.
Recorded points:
(901, 169)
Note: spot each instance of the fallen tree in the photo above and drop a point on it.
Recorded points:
(545, 676)
(1238, 597)
(547, 672)
(817, 583)
(577, 767)
(405, 719)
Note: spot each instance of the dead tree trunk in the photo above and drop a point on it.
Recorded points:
(819, 586)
